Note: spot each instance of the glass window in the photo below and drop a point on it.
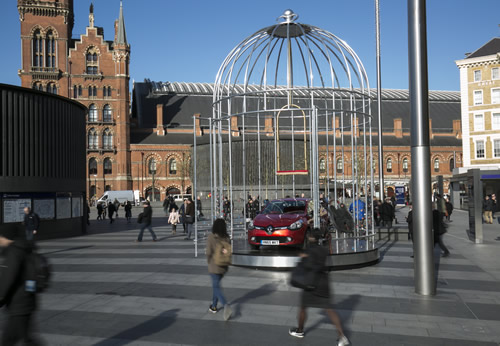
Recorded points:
(107, 115)
(107, 139)
(495, 121)
(405, 165)
(173, 166)
(479, 149)
(79, 90)
(92, 166)
(389, 165)
(495, 95)
(152, 166)
(75, 92)
(340, 165)
(108, 168)
(478, 97)
(478, 122)
(37, 49)
(495, 73)
(477, 75)
(50, 49)
(322, 165)
(452, 164)
(496, 148)
(93, 139)
(92, 61)
(51, 88)
(436, 165)
(92, 113)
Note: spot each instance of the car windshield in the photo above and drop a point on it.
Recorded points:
(285, 207)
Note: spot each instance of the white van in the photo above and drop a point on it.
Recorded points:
(180, 198)
(121, 196)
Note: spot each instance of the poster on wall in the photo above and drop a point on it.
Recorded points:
(77, 207)
(45, 208)
(63, 207)
(13, 209)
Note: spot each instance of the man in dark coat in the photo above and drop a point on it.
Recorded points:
(199, 212)
(487, 209)
(31, 223)
(146, 218)
(439, 230)
(387, 213)
(314, 260)
(342, 218)
(111, 211)
(449, 209)
(20, 303)
(99, 211)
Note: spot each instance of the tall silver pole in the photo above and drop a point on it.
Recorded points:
(420, 151)
(379, 104)
(194, 190)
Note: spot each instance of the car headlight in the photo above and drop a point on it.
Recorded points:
(296, 225)
(251, 226)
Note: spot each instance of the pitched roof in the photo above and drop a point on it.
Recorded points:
(121, 37)
(489, 48)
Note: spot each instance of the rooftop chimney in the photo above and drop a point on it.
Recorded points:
(160, 129)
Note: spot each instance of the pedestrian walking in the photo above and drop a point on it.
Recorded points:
(357, 208)
(218, 252)
(99, 211)
(19, 301)
(128, 211)
(487, 209)
(409, 220)
(317, 293)
(145, 219)
(87, 212)
(495, 206)
(449, 209)
(111, 211)
(117, 206)
(31, 223)
(387, 213)
(166, 206)
(376, 211)
(190, 218)
(439, 230)
(199, 211)
(174, 219)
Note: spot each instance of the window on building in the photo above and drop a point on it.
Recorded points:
(478, 122)
(106, 91)
(50, 49)
(495, 121)
(479, 149)
(496, 148)
(477, 76)
(107, 139)
(436, 165)
(92, 91)
(79, 91)
(107, 188)
(172, 166)
(38, 86)
(452, 164)
(340, 166)
(322, 165)
(107, 115)
(478, 97)
(495, 95)
(495, 73)
(92, 190)
(92, 113)
(51, 88)
(152, 166)
(389, 165)
(108, 168)
(93, 139)
(92, 166)
(37, 49)
(405, 165)
(92, 62)
(75, 92)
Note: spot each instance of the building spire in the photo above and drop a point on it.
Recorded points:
(121, 37)
(91, 15)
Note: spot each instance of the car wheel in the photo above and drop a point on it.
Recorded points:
(305, 244)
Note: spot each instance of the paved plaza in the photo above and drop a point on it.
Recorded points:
(109, 290)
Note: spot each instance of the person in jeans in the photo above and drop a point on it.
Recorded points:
(190, 218)
(128, 211)
(219, 232)
(147, 216)
(315, 260)
(439, 229)
(387, 213)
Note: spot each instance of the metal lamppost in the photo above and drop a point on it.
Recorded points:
(152, 170)
(95, 184)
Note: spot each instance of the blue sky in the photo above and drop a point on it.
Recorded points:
(188, 40)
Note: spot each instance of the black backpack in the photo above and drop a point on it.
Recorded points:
(38, 272)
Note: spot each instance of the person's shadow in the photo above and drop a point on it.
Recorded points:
(252, 295)
(347, 305)
(150, 327)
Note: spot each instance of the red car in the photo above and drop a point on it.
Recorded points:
(282, 222)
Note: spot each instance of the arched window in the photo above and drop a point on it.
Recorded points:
(75, 92)
(172, 166)
(92, 166)
(436, 165)
(340, 166)
(107, 139)
(389, 165)
(452, 164)
(405, 165)
(107, 115)
(50, 49)
(37, 49)
(152, 166)
(91, 61)
(92, 113)
(106, 91)
(108, 168)
(322, 165)
(92, 91)
(38, 86)
(51, 88)
(93, 139)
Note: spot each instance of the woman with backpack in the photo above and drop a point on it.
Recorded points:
(218, 258)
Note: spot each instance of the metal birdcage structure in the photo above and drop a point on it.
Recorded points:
(289, 102)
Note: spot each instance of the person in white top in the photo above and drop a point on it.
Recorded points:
(174, 220)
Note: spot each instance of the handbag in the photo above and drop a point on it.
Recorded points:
(189, 219)
(139, 218)
(302, 277)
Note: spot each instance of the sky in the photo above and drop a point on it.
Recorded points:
(186, 41)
